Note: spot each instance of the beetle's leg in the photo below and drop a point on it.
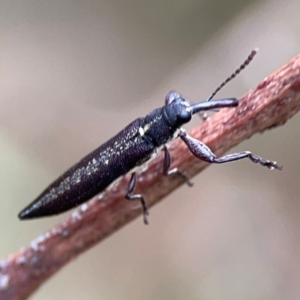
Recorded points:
(130, 196)
(202, 152)
(166, 167)
(203, 115)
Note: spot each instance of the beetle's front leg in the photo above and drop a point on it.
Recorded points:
(202, 152)
(166, 167)
(130, 196)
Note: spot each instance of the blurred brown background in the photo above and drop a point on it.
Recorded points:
(73, 73)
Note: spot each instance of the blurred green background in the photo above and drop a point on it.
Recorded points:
(73, 73)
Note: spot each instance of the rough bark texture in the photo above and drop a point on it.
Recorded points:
(270, 104)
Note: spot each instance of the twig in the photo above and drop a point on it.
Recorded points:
(270, 104)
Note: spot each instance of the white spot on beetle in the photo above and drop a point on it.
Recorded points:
(147, 127)
(141, 131)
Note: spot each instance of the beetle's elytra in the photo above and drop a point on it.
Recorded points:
(132, 147)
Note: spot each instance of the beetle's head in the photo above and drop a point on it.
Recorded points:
(177, 109)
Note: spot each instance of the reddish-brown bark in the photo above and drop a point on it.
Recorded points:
(270, 104)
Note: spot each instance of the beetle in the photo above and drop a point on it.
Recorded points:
(132, 147)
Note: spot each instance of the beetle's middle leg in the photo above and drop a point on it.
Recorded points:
(166, 167)
(130, 196)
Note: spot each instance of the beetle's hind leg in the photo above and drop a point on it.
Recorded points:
(130, 196)
(168, 172)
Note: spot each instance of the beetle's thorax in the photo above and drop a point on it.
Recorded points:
(163, 124)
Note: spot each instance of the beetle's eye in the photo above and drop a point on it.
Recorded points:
(171, 97)
(184, 116)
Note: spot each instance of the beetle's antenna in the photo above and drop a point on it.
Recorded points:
(213, 104)
(235, 73)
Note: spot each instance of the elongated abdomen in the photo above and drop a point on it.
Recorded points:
(93, 174)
